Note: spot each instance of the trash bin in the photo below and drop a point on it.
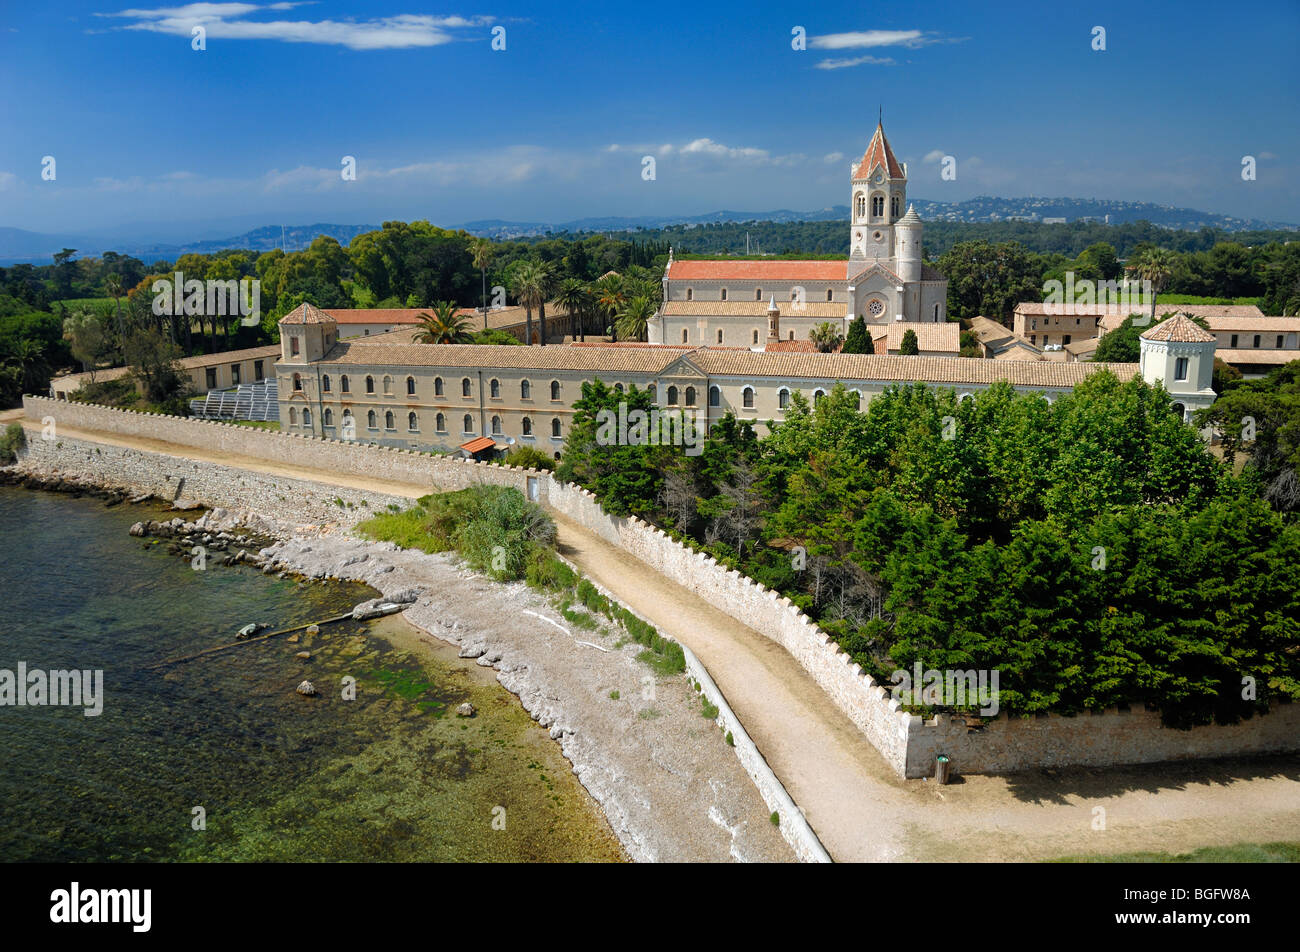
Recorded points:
(942, 768)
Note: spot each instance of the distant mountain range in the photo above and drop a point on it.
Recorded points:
(17, 245)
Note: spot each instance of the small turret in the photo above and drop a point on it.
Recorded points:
(907, 245)
(773, 321)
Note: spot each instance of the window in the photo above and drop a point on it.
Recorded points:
(370, 384)
(1032, 339)
(297, 382)
(1256, 340)
(234, 374)
(293, 416)
(440, 423)
(464, 387)
(1180, 368)
(653, 391)
(555, 428)
(857, 399)
(791, 337)
(437, 386)
(528, 426)
(390, 422)
(525, 390)
(410, 386)
(860, 205)
(690, 294)
(758, 294)
(715, 397)
(555, 389)
(329, 417)
(893, 206)
(496, 426)
(388, 384)
(936, 312)
(783, 398)
(372, 420)
(748, 398)
(325, 384)
(306, 417)
(684, 332)
(877, 206)
(817, 396)
(467, 424)
(210, 377)
(494, 387)
(343, 383)
(719, 335)
(293, 346)
(258, 371)
(412, 421)
(755, 337)
(828, 297)
(723, 292)
(690, 396)
(876, 307)
(618, 387)
(1278, 345)
(672, 396)
(1065, 339)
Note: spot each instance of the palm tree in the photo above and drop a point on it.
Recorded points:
(575, 297)
(1155, 265)
(826, 336)
(635, 318)
(483, 251)
(113, 288)
(610, 296)
(529, 290)
(443, 326)
(545, 277)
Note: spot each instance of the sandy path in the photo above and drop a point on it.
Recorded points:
(855, 803)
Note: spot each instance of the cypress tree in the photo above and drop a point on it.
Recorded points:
(858, 341)
(909, 346)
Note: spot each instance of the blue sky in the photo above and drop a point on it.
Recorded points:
(150, 134)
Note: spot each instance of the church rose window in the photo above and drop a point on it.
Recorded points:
(876, 308)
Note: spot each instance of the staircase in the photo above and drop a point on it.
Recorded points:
(248, 401)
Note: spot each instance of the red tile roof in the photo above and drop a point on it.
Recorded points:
(478, 445)
(776, 270)
(878, 153)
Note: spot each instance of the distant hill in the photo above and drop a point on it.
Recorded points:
(18, 245)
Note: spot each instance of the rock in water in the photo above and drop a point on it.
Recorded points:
(465, 710)
(303, 656)
(307, 689)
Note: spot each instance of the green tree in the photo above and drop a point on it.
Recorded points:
(908, 346)
(858, 340)
(443, 326)
(826, 337)
(634, 319)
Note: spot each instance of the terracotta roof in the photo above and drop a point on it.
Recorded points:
(478, 444)
(722, 269)
(363, 351)
(1254, 325)
(377, 315)
(1252, 355)
(271, 351)
(878, 153)
(791, 347)
(870, 264)
(887, 368)
(1080, 347)
(1179, 329)
(306, 314)
(822, 309)
(990, 331)
(945, 336)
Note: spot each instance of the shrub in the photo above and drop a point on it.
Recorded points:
(731, 741)
(14, 439)
(529, 457)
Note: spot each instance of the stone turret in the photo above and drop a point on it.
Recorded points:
(907, 245)
(773, 321)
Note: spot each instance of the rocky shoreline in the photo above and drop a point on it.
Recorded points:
(669, 786)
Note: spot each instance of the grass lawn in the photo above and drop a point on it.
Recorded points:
(258, 424)
(1237, 853)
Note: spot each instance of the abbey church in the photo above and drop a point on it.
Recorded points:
(723, 302)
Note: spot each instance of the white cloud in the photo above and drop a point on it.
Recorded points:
(228, 21)
(1268, 155)
(855, 61)
(867, 38)
(934, 155)
(6, 180)
(832, 157)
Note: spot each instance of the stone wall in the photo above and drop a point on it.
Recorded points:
(339, 456)
(907, 742)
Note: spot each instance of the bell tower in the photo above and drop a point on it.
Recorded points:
(878, 197)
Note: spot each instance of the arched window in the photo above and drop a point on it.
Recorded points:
(684, 333)
(329, 417)
(440, 423)
(791, 337)
(936, 312)
(437, 386)
(653, 391)
(755, 336)
(723, 292)
(857, 399)
(618, 387)
(783, 398)
(370, 384)
(494, 387)
(748, 398)
(555, 389)
(372, 420)
(306, 417)
(528, 426)
(672, 396)
(715, 397)
(817, 396)
(690, 294)
(325, 384)
(860, 205)
(412, 421)
(468, 423)
(390, 422)
(525, 390)
(343, 384)
(758, 294)
(828, 297)
(877, 206)
(719, 335)
(388, 384)
(496, 426)
(555, 427)
(690, 396)
(297, 381)
(464, 387)
(410, 386)
(293, 416)
(894, 208)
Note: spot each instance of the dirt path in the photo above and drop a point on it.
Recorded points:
(855, 803)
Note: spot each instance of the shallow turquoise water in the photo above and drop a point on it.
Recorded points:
(278, 776)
